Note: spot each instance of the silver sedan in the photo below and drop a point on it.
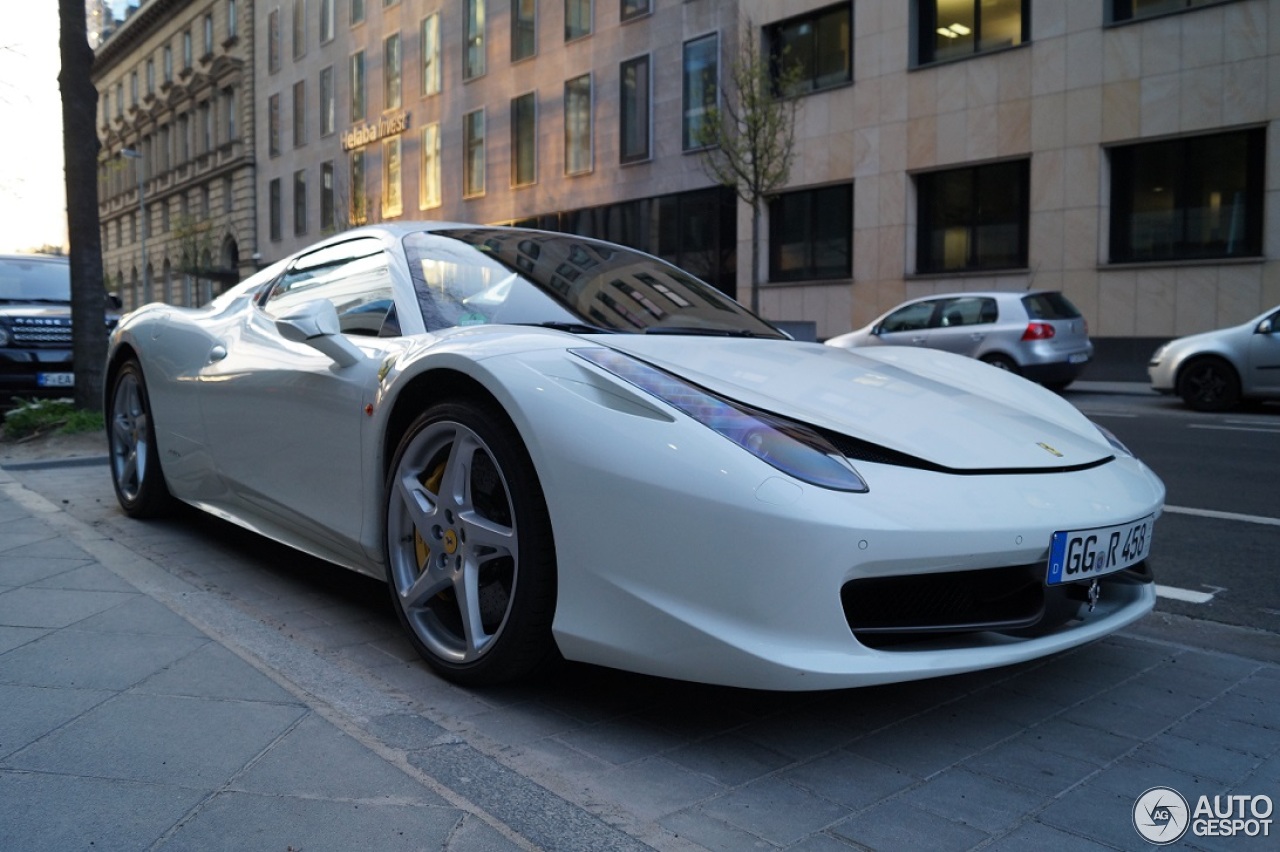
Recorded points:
(1215, 370)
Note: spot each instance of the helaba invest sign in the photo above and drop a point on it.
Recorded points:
(390, 124)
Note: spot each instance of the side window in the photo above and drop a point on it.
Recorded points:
(911, 318)
(354, 276)
(968, 311)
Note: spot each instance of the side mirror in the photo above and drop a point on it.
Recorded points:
(114, 302)
(876, 329)
(1267, 326)
(315, 323)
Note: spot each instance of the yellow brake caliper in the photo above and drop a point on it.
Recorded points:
(420, 547)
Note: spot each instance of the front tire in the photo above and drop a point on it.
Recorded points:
(131, 442)
(1209, 384)
(470, 557)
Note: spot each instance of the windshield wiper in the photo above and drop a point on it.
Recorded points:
(569, 326)
(699, 332)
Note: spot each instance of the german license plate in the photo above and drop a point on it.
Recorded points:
(1077, 358)
(1084, 554)
(56, 380)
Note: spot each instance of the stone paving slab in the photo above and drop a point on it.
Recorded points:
(1048, 755)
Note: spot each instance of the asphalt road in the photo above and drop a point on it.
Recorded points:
(1219, 538)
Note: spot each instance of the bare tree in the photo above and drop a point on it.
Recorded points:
(750, 136)
(80, 150)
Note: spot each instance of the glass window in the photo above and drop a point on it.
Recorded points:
(299, 28)
(1190, 198)
(811, 234)
(208, 34)
(523, 31)
(473, 154)
(273, 209)
(299, 113)
(273, 125)
(273, 41)
(392, 195)
(354, 275)
(524, 139)
(326, 197)
(633, 131)
(151, 77)
(119, 100)
(973, 218)
(133, 88)
(391, 72)
(634, 9)
(819, 46)
(701, 87)
(186, 50)
(577, 125)
(1126, 10)
(431, 54)
(357, 87)
(429, 171)
(473, 61)
(955, 29)
(232, 21)
(359, 208)
(577, 19)
(168, 64)
(229, 112)
(328, 102)
(357, 12)
(299, 203)
(326, 21)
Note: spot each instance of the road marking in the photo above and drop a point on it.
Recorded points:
(1176, 594)
(1232, 428)
(1224, 516)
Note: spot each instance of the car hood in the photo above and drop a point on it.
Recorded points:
(943, 408)
(36, 311)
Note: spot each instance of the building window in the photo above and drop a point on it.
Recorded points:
(299, 113)
(106, 107)
(701, 87)
(357, 12)
(273, 125)
(119, 100)
(431, 54)
(273, 209)
(299, 203)
(391, 72)
(817, 47)
(299, 28)
(429, 181)
(634, 9)
(357, 87)
(392, 197)
(186, 50)
(473, 49)
(955, 29)
(577, 125)
(326, 21)
(328, 102)
(1127, 10)
(208, 34)
(151, 77)
(204, 115)
(229, 112)
(184, 138)
(133, 88)
(473, 154)
(633, 130)
(228, 199)
(358, 211)
(232, 22)
(523, 32)
(973, 218)
(811, 234)
(168, 64)
(1187, 199)
(204, 200)
(524, 139)
(326, 197)
(273, 41)
(577, 19)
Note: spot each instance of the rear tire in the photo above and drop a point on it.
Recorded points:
(1209, 384)
(131, 442)
(1002, 362)
(470, 556)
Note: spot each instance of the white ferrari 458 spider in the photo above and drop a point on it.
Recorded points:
(554, 447)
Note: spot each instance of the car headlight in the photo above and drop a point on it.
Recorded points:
(1112, 439)
(5, 337)
(791, 447)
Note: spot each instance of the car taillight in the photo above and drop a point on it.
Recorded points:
(1038, 331)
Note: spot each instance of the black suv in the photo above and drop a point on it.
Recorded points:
(35, 326)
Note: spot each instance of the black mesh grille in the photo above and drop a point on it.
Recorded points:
(41, 331)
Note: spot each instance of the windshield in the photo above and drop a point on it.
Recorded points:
(475, 276)
(34, 279)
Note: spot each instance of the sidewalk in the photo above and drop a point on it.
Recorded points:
(181, 685)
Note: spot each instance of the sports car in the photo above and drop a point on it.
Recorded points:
(552, 447)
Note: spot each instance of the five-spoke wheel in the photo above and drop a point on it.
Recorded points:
(135, 461)
(470, 559)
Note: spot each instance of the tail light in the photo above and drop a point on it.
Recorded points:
(1038, 331)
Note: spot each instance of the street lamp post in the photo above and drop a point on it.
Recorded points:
(134, 154)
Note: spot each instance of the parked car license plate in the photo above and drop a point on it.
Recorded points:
(1084, 554)
(56, 380)
(1078, 358)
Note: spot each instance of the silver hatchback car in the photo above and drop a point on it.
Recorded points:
(1215, 370)
(1038, 334)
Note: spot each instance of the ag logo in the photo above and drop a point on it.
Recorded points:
(1161, 816)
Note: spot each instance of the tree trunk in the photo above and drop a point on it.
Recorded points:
(80, 150)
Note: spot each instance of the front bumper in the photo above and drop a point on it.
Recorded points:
(27, 372)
